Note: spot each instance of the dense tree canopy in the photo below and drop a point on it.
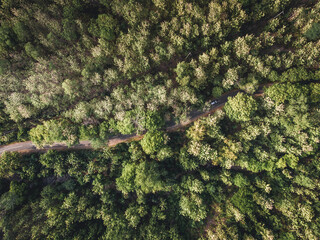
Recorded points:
(74, 70)
(87, 62)
(257, 180)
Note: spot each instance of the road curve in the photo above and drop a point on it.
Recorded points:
(28, 147)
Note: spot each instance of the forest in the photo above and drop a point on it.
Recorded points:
(74, 70)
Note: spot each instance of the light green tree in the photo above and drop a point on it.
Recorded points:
(241, 107)
(184, 73)
(192, 206)
(153, 141)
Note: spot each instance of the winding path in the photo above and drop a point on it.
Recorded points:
(28, 147)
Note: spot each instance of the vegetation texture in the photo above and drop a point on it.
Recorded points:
(92, 69)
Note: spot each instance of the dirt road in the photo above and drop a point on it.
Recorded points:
(28, 147)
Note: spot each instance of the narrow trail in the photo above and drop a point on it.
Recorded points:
(28, 147)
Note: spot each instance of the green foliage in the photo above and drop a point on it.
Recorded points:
(241, 108)
(315, 92)
(95, 69)
(313, 33)
(296, 75)
(137, 196)
(4, 65)
(89, 132)
(192, 206)
(217, 92)
(133, 215)
(250, 84)
(9, 164)
(284, 92)
(187, 161)
(21, 31)
(184, 73)
(31, 50)
(97, 135)
(304, 181)
(288, 159)
(144, 177)
(125, 183)
(53, 160)
(71, 88)
(69, 30)
(108, 26)
(241, 181)
(90, 62)
(153, 121)
(6, 41)
(149, 178)
(125, 126)
(153, 141)
(242, 199)
(197, 131)
(54, 131)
